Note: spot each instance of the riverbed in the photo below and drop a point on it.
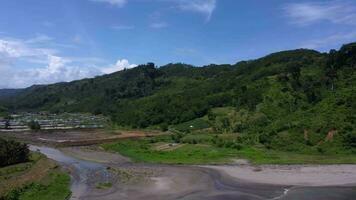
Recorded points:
(131, 181)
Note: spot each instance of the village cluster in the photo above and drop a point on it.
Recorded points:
(50, 121)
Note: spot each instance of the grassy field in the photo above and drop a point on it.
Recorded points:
(147, 150)
(143, 151)
(264, 156)
(39, 179)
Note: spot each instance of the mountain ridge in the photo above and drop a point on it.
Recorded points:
(275, 98)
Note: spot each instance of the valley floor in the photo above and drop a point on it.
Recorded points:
(99, 174)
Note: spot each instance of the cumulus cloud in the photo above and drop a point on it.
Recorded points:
(120, 65)
(49, 66)
(57, 70)
(118, 3)
(16, 48)
(306, 13)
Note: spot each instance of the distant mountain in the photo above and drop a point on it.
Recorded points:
(5, 93)
(283, 99)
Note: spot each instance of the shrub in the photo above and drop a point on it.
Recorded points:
(34, 125)
(164, 127)
(12, 152)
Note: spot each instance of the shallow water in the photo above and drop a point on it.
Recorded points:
(80, 170)
(83, 171)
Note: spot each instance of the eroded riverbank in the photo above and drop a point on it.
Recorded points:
(90, 167)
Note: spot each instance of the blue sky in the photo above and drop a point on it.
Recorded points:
(44, 42)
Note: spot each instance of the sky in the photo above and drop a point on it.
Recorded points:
(43, 42)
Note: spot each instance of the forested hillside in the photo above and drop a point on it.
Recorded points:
(284, 100)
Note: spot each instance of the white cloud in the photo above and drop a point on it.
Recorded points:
(120, 65)
(205, 7)
(118, 3)
(57, 70)
(49, 66)
(158, 25)
(122, 27)
(16, 48)
(306, 13)
(330, 41)
(336, 12)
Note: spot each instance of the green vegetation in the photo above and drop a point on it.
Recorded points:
(4, 114)
(34, 125)
(266, 156)
(144, 151)
(299, 101)
(56, 188)
(195, 124)
(3, 111)
(12, 152)
(158, 150)
(39, 178)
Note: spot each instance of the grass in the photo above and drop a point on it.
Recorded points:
(56, 188)
(143, 150)
(18, 169)
(39, 179)
(197, 138)
(263, 156)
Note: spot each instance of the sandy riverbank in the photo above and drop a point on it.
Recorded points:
(297, 175)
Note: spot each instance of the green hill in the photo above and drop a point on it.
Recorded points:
(290, 100)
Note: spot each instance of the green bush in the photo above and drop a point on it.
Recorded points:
(34, 125)
(12, 152)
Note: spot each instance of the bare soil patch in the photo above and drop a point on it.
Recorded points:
(76, 137)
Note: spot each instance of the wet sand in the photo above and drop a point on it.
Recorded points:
(297, 175)
(131, 181)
